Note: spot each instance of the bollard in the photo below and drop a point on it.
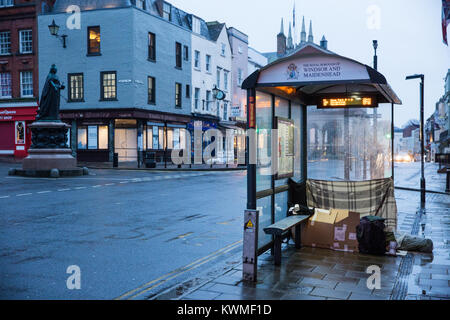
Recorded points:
(447, 189)
(116, 160)
(250, 245)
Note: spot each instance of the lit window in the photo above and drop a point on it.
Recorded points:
(178, 95)
(5, 42)
(92, 137)
(26, 41)
(94, 40)
(26, 84)
(109, 86)
(151, 90)
(76, 87)
(5, 85)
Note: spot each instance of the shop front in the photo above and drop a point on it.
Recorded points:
(132, 136)
(15, 135)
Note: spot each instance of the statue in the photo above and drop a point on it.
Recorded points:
(50, 97)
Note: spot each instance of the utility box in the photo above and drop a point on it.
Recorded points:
(250, 245)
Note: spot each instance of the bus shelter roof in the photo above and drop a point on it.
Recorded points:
(312, 72)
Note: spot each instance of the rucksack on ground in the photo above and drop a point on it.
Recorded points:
(371, 236)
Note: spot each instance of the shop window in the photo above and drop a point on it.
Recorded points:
(20, 132)
(93, 137)
(169, 138)
(5, 43)
(5, 85)
(76, 87)
(26, 84)
(94, 40)
(25, 41)
(108, 86)
(162, 140)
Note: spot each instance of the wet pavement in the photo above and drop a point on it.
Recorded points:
(319, 274)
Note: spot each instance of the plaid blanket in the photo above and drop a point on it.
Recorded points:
(375, 197)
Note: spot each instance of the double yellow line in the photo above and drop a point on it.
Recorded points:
(171, 275)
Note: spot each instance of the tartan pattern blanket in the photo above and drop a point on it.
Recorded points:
(375, 197)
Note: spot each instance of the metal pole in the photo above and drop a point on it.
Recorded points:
(251, 167)
(422, 143)
(392, 141)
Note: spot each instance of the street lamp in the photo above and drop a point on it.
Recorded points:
(422, 142)
(54, 28)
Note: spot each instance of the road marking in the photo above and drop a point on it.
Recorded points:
(80, 188)
(171, 275)
(124, 182)
(4, 197)
(42, 192)
(23, 194)
(110, 184)
(62, 190)
(97, 186)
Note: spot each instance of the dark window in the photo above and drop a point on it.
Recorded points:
(186, 53)
(76, 87)
(93, 40)
(151, 90)
(178, 54)
(178, 95)
(108, 86)
(188, 91)
(151, 46)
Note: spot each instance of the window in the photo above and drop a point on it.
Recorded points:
(108, 86)
(151, 90)
(5, 85)
(76, 87)
(239, 77)
(197, 59)
(26, 84)
(178, 54)
(218, 77)
(6, 3)
(208, 63)
(224, 46)
(166, 11)
(225, 111)
(178, 95)
(151, 46)
(196, 98)
(26, 41)
(5, 42)
(188, 91)
(208, 99)
(140, 4)
(92, 137)
(195, 25)
(186, 53)
(225, 80)
(93, 40)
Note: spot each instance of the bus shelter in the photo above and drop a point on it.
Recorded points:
(311, 115)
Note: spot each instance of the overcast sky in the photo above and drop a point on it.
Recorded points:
(409, 33)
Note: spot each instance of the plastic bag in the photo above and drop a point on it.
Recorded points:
(410, 243)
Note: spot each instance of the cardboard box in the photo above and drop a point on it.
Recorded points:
(332, 229)
(345, 231)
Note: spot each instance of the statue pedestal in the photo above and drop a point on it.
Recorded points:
(49, 155)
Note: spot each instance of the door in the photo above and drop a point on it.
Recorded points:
(126, 144)
(7, 137)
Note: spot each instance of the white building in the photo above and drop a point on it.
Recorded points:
(211, 67)
(256, 60)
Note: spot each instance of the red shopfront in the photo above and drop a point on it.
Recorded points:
(15, 134)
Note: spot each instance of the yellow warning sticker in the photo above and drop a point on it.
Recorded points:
(249, 224)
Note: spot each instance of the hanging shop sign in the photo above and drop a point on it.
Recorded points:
(348, 101)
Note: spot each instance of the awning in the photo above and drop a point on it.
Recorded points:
(312, 72)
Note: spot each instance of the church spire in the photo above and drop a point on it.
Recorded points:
(310, 36)
(290, 44)
(303, 33)
(282, 27)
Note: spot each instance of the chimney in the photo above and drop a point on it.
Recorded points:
(281, 41)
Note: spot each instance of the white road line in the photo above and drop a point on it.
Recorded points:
(80, 188)
(98, 186)
(124, 182)
(23, 194)
(62, 190)
(110, 184)
(4, 197)
(42, 192)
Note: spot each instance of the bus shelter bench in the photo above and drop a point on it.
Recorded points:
(280, 229)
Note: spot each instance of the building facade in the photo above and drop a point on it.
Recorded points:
(19, 85)
(128, 72)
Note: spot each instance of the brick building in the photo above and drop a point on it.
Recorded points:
(19, 74)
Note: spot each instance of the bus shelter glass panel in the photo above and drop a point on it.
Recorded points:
(296, 116)
(264, 207)
(282, 111)
(352, 144)
(263, 137)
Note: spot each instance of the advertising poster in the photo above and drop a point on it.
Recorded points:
(285, 148)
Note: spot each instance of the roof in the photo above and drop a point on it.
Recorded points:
(312, 71)
(215, 28)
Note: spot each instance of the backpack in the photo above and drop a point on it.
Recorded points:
(371, 236)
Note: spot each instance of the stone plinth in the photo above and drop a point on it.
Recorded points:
(49, 152)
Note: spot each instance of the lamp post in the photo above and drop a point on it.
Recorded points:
(422, 142)
(373, 173)
(54, 28)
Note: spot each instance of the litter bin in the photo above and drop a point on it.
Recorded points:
(116, 160)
